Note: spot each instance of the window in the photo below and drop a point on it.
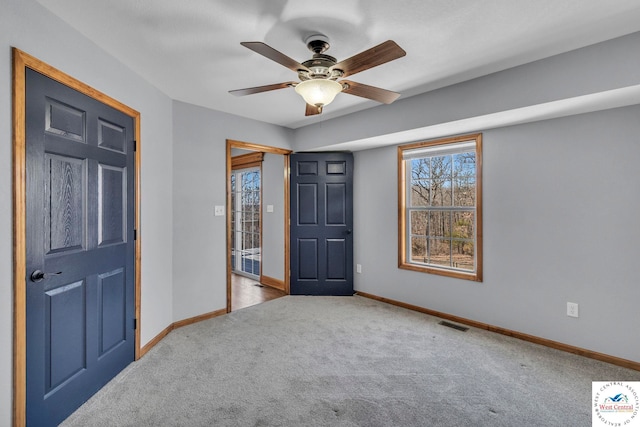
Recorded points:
(440, 207)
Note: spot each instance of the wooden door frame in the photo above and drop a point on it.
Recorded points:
(22, 61)
(231, 144)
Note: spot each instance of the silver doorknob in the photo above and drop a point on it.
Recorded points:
(38, 275)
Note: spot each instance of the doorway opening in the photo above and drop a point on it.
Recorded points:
(257, 223)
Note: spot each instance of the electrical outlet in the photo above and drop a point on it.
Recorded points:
(219, 210)
(572, 309)
(358, 268)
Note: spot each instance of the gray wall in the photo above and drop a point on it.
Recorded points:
(28, 26)
(199, 165)
(561, 207)
(273, 222)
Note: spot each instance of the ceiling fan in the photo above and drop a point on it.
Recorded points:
(319, 75)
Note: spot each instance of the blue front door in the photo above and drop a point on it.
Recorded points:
(80, 247)
(322, 224)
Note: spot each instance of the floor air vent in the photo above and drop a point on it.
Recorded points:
(453, 326)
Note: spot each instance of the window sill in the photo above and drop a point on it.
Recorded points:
(475, 277)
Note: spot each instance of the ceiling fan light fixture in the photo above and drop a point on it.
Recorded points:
(318, 92)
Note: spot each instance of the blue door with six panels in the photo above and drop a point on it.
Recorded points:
(321, 224)
(80, 247)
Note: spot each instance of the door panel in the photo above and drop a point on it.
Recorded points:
(321, 223)
(308, 259)
(336, 204)
(64, 326)
(307, 204)
(112, 325)
(112, 204)
(336, 259)
(80, 219)
(65, 188)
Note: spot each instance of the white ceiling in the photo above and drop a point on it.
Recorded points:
(191, 49)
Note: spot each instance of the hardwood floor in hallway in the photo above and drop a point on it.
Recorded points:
(246, 292)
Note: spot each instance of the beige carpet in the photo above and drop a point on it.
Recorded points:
(346, 361)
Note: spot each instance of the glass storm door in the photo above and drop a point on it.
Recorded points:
(245, 222)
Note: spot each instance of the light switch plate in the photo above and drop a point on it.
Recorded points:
(269, 208)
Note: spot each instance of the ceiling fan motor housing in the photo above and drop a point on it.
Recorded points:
(319, 66)
(317, 43)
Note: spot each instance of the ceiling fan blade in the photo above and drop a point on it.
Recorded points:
(259, 89)
(312, 110)
(279, 57)
(370, 92)
(377, 55)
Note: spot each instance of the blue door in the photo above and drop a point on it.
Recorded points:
(322, 224)
(80, 247)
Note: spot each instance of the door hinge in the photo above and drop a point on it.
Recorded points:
(135, 234)
(135, 145)
(135, 324)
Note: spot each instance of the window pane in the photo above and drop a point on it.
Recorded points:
(441, 167)
(441, 192)
(419, 249)
(254, 243)
(439, 224)
(420, 169)
(464, 190)
(420, 193)
(440, 252)
(441, 175)
(464, 179)
(419, 222)
(463, 225)
(463, 254)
